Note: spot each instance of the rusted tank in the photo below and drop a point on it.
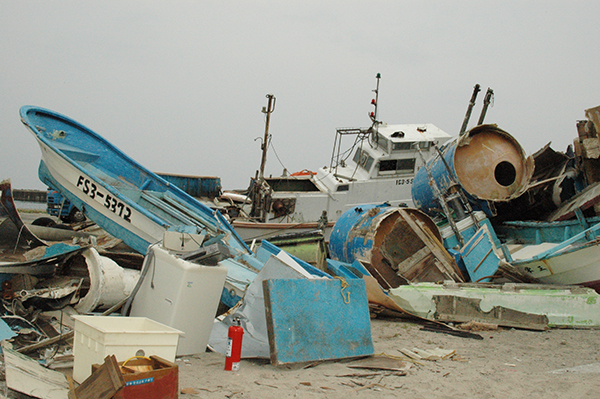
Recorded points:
(486, 162)
(396, 245)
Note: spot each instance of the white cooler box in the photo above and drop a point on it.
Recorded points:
(99, 336)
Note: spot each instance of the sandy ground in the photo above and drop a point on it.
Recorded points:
(506, 363)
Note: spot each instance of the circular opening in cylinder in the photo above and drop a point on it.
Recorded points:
(505, 173)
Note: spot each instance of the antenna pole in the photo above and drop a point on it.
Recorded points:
(375, 101)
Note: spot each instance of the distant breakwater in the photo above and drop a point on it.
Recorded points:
(29, 195)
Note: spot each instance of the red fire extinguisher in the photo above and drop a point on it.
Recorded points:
(234, 346)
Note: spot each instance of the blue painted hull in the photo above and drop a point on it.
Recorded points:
(124, 198)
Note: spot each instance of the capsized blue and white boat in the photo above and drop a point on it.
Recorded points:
(129, 201)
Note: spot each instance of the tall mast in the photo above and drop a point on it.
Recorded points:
(268, 110)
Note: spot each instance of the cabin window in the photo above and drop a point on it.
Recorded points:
(387, 165)
(382, 142)
(363, 159)
(406, 165)
(357, 155)
(403, 146)
(343, 187)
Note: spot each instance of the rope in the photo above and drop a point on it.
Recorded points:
(345, 285)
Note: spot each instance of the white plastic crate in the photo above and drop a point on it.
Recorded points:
(99, 336)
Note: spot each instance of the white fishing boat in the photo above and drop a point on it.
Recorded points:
(132, 203)
(379, 166)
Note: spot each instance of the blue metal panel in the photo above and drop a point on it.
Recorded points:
(479, 257)
(196, 186)
(310, 320)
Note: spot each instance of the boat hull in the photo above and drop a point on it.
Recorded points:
(575, 266)
(136, 230)
(127, 200)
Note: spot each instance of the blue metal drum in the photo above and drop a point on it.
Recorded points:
(487, 163)
(353, 232)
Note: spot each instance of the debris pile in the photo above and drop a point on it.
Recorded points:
(495, 239)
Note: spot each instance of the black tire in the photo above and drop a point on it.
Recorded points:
(44, 221)
(76, 216)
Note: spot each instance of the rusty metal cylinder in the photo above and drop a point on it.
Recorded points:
(487, 163)
(381, 237)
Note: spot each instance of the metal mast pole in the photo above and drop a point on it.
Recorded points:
(486, 102)
(469, 109)
(265, 144)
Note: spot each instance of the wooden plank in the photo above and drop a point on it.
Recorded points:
(313, 320)
(447, 266)
(103, 383)
(407, 264)
(46, 342)
(25, 375)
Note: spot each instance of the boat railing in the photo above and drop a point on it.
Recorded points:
(336, 156)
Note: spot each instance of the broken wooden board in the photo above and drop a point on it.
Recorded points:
(460, 309)
(430, 354)
(25, 375)
(413, 247)
(589, 197)
(104, 382)
(381, 362)
(312, 320)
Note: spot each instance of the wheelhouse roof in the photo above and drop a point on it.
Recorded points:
(412, 132)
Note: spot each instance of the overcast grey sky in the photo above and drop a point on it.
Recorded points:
(179, 85)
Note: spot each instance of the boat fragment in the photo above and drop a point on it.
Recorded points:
(13, 232)
(316, 320)
(563, 306)
(251, 309)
